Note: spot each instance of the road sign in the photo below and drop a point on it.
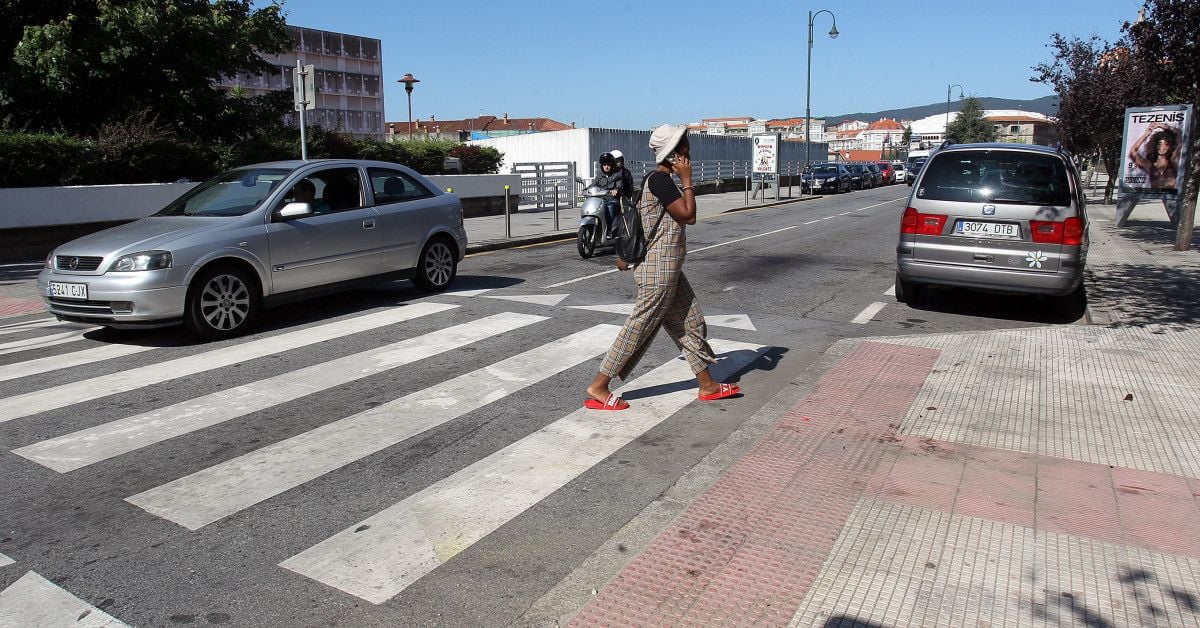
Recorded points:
(304, 87)
(765, 154)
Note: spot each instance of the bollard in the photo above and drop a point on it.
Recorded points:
(556, 205)
(507, 215)
(747, 191)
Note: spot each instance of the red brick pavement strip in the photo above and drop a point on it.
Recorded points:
(747, 550)
(16, 307)
(1156, 511)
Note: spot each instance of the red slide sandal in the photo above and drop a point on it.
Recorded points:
(724, 392)
(613, 403)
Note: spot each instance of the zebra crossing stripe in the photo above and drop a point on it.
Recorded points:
(34, 402)
(68, 360)
(35, 601)
(5, 561)
(41, 342)
(17, 328)
(211, 494)
(85, 447)
(381, 556)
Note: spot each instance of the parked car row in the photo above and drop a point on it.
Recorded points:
(833, 178)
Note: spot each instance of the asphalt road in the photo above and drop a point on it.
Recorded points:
(448, 480)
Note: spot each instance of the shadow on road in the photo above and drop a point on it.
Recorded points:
(11, 274)
(1029, 309)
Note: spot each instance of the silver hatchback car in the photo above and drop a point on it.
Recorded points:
(995, 217)
(255, 236)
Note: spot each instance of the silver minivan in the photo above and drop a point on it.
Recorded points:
(998, 218)
(255, 236)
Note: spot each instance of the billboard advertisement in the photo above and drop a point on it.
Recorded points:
(765, 154)
(1154, 150)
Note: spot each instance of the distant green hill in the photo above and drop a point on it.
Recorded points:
(1046, 104)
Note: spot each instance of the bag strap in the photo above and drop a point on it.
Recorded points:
(661, 214)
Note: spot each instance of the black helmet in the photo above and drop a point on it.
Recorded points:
(607, 158)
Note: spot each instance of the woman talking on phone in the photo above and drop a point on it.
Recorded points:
(664, 297)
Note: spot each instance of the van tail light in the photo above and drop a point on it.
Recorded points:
(1073, 231)
(1046, 231)
(917, 223)
(1068, 232)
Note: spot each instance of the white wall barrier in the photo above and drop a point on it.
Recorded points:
(22, 208)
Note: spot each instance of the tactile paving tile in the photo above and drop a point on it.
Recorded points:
(1061, 391)
(903, 565)
(745, 552)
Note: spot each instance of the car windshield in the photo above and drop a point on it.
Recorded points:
(234, 193)
(826, 170)
(1024, 178)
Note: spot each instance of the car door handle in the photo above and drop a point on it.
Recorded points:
(369, 224)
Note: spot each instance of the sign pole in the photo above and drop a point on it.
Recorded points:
(301, 105)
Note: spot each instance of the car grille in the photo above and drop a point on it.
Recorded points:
(77, 262)
(80, 307)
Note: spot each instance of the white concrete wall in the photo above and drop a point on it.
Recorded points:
(584, 147)
(55, 206)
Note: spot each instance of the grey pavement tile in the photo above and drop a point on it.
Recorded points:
(899, 565)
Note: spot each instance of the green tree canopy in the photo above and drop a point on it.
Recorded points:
(970, 125)
(75, 65)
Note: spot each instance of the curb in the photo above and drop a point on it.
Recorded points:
(496, 245)
(775, 204)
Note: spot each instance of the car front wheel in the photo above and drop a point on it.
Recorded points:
(437, 266)
(222, 302)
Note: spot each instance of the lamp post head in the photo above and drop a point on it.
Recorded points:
(408, 81)
(833, 32)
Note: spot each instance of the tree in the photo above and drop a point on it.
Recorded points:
(906, 139)
(75, 65)
(970, 125)
(1166, 53)
(1095, 82)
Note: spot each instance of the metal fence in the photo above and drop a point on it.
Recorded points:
(717, 170)
(546, 185)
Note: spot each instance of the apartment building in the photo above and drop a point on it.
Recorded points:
(349, 79)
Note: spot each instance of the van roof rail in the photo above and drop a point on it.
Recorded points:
(947, 142)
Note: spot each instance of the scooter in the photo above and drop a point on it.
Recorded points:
(592, 223)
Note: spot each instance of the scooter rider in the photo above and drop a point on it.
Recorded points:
(610, 179)
(626, 178)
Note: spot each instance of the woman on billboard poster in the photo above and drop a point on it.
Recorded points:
(1156, 153)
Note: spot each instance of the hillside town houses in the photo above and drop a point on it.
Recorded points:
(859, 140)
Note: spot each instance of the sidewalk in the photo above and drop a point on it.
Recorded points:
(531, 226)
(1026, 477)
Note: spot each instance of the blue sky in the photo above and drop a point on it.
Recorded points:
(590, 62)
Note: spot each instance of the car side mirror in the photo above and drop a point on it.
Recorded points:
(295, 210)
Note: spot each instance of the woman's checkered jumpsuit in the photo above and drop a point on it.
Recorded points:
(664, 298)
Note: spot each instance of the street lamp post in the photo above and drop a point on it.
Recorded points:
(408, 81)
(960, 95)
(833, 33)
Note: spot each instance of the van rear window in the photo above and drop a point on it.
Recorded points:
(996, 176)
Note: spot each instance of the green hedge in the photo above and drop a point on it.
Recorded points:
(133, 154)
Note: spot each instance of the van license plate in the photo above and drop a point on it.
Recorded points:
(977, 229)
(69, 290)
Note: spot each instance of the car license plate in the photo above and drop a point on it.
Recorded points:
(977, 229)
(69, 290)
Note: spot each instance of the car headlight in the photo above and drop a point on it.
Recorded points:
(149, 260)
